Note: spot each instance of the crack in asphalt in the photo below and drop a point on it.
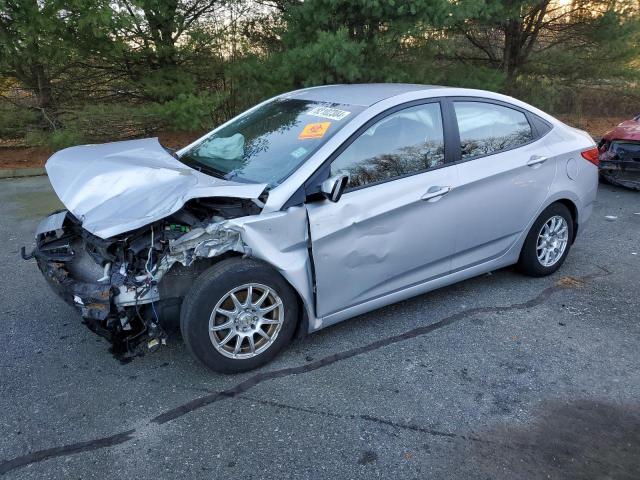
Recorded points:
(503, 443)
(370, 418)
(244, 386)
(390, 423)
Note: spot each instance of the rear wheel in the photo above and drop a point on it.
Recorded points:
(238, 315)
(548, 242)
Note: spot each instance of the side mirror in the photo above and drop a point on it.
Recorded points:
(333, 188)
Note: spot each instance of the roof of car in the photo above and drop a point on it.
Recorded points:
(364, 94)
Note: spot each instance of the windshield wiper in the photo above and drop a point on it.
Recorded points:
(214, 172)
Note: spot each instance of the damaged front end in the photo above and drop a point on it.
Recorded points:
(620, 162)
(619, 154)
(129, 287)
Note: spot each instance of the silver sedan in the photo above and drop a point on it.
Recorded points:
(308, 209)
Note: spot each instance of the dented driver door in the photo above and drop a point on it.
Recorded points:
(392, 228)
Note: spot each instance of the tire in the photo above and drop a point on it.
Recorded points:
(529, 263)
(215, 285)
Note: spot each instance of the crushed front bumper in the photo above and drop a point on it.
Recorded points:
(108, 306)
(93, 300)
(620, 163)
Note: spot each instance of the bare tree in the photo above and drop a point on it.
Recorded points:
(157, 27)
(507, 33)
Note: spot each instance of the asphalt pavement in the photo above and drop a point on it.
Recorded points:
(498, 377)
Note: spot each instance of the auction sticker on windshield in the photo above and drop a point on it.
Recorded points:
(327, 112)
(314, 130)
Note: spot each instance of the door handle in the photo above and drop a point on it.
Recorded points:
(536, 160)
(435, 192)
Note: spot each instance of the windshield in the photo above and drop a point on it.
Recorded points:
(267, 144)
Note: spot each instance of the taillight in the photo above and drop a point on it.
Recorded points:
(591, 155)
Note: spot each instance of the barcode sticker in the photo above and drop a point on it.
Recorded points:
(328, 112)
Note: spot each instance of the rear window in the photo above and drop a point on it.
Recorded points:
(487, 128)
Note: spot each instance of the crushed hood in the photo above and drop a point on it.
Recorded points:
(627, 130)
(116, 187)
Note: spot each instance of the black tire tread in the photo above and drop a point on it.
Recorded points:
(528, 262)
(217, 274)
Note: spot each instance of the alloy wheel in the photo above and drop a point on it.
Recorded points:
(246, 321)
(552, 241)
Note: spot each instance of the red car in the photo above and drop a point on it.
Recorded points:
(620, 154)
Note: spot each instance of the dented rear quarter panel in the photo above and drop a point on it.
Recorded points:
(576, 178)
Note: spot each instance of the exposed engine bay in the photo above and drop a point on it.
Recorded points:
(129, 287)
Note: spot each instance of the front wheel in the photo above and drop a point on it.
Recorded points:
(238, 315)
(548, 242)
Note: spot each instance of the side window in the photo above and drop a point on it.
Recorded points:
(407, 141)
(487, 128)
